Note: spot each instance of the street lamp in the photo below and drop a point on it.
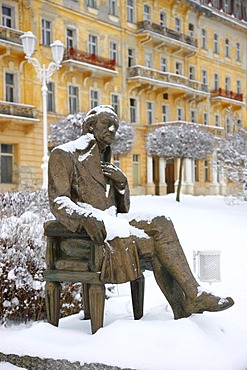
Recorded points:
(28, 43)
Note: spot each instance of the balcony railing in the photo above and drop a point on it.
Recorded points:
(10, 35)
(17, 109)
(166, 78)
(168, 32)
(227, 94)
(82, 56)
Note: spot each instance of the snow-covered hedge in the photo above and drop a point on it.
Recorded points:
(22, 259)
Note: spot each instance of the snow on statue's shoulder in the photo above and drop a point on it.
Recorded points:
(79, 144)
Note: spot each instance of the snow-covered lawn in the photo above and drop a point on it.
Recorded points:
(211, 341)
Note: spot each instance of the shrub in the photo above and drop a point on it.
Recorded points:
(22, 259)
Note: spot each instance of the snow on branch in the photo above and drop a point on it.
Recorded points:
(183, 140)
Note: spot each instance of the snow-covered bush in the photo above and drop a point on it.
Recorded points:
(22, 259)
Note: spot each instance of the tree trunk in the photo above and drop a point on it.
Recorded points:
(180, 179)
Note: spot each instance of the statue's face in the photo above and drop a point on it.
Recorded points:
(105, 130)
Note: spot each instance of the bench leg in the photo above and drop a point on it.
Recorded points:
(137, 293)
(52, 299)
(86, 308)
(97, 305)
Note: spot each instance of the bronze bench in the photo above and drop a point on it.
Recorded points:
(72, 257)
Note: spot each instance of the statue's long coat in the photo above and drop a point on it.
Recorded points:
(75, 176)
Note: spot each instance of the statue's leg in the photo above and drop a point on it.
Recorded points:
(167, 248)
(170, 288)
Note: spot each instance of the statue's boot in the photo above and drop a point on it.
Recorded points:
(207, 302)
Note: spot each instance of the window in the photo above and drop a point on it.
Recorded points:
(163, 64)
(10, 87)
(130, 11)
(216, 82)
(163, 19)
(150, 113)
(204, 77)
(92, 44)
(216, 43)
(7, 16)
(204, 39)
(136, 170)
(206, 171)
(196, 170)
(227, 48)
(193, 116)
(133, 110)
(227, 84)
(178, 68)
(116, 160)
(92, 3)
(226, 6)
(238, 83)
(146, 13)
(46, 32)
(6, 164)
(180, 114)
(177, 25)
(217, 120)
(70, 38)
(113, 51)
(165, 113)
(191, 30)
(73, 99)
(228, 124)
(50, 97)
(148, 60)
(238, 59)
(131, 57)
(94, 98)
(113, 7)
(115, 102)
(205, 118)
(192, 73)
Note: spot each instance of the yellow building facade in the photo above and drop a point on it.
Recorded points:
(157, 62)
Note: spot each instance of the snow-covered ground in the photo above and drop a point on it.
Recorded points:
(211, 341)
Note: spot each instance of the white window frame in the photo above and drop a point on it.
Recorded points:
(92, 3)
(180, 113)
(193, 115)
(216, 81)
(179, 68)
(46, 29)
(163, 64)
(130, 11)
(163, 18)
(133, 110)
(205, 118)
(238, 86)
(113, 51)
(50, 96)
(217, 120)
(148, 59)
(131, 57)
(115, 102)
(177, 24)
(8, 20)
(71, 39)
(94, 98)
(165, 112)
(92, 44)
(228, 83)
(204, 39)
(192, 72)
(206, 171)
(146, 12)
(112, 7)
(73, 95)
(204, 76)
(216, 43)
(136, 169)
(3, 156)
(11, 88)
(238, 49)
(150, 112)
(227, 48)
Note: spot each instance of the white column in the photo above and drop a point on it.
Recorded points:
(189, 184)
(214, 188)
(150, 170)
(162, 176)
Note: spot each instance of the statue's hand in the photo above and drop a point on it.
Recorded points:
(115, 174)
(95, 229)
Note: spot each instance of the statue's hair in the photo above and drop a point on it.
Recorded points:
(93, 115)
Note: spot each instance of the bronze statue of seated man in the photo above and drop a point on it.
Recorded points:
(87, 192)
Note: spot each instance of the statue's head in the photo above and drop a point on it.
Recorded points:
(103, 122)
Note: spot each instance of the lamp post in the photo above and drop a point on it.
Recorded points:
(28, 43)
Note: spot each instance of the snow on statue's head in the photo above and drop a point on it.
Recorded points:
(96, 114)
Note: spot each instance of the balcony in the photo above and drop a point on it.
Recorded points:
(176, 83)
(10, 37)
(16, 113)
(227, 97)
(89, 62)
(177, 41)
